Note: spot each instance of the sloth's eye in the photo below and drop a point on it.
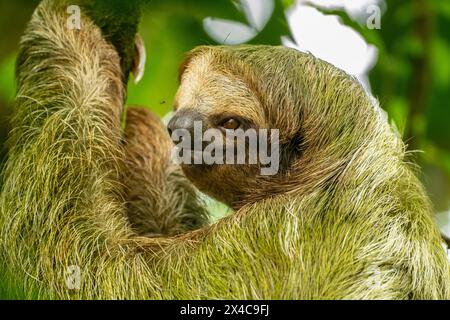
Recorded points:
(231, 124)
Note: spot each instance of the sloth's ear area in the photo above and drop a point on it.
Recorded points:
(290, 152)
(139, 59)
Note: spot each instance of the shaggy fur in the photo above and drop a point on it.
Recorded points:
(118, 20)
(345, 219)
(161, 201)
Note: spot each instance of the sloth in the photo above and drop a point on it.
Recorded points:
(343, 218)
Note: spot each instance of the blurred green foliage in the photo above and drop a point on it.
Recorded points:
(411, 78)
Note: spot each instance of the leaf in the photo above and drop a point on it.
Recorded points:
(275, 28)
(369, 35)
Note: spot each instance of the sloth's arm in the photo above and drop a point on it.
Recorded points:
(61, 204)
(160, 199)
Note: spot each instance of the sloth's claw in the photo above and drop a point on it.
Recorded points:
(140, 57)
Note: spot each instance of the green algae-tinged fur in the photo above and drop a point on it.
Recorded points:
(349, 221)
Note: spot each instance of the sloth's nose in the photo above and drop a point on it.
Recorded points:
(184, 122)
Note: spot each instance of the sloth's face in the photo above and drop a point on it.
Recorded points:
(213, 110)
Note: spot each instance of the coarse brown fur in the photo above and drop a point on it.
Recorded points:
(160, 200)
(346, 218)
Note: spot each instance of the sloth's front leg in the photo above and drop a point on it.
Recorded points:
(160, 199)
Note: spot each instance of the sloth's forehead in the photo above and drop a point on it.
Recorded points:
(204, 84)
(197, 69)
